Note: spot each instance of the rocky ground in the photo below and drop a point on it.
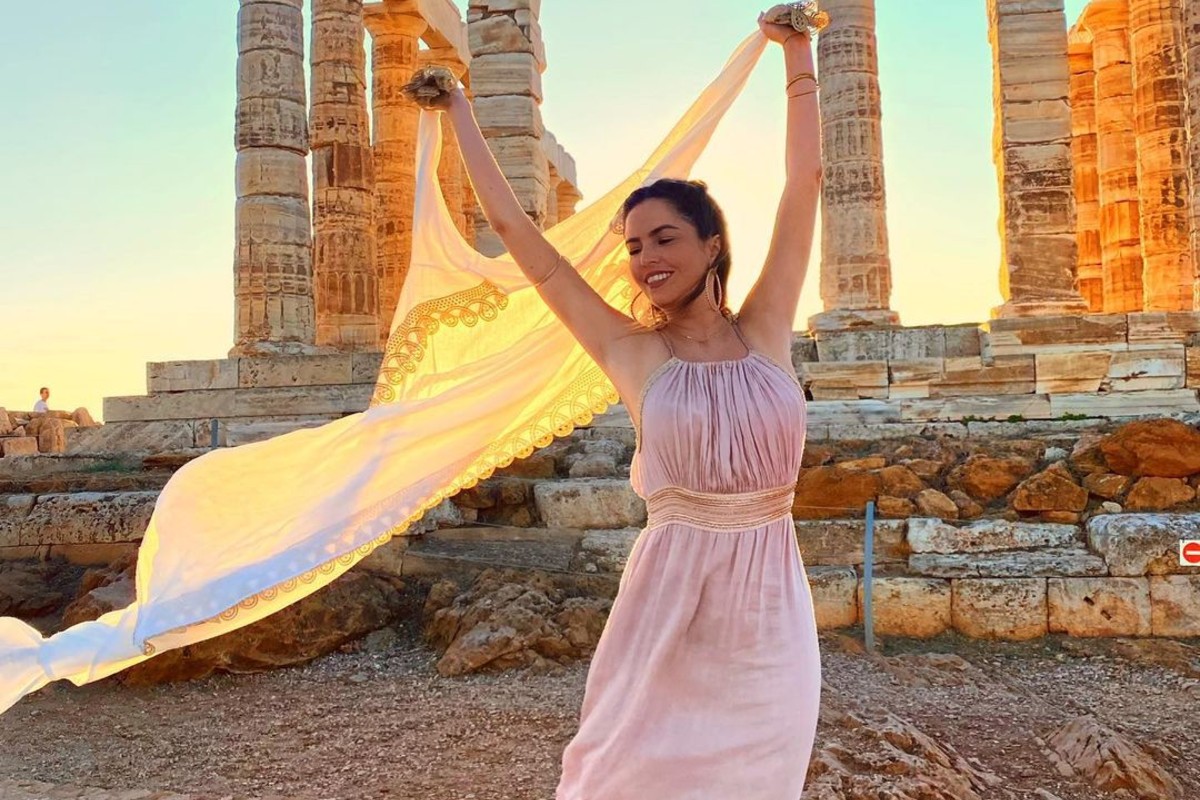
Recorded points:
(947, 718)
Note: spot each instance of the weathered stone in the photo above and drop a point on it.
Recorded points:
(1175, 605)
(135, 437)
(19, 446)
(1125, 404)
(899, 481)
(895, 507)
(87, 518)
(1059, 373)
(986, 478)
(1000, 608)
(1164, 448)
(608, 550)
(1106, 485)
(933, 503)
(314, 370)
(52, 437)
(967, 507)
(869, 462)
(27, 590)
(1141, 544)
(926, 469)
(1052, 489)
(832, 492)
(1099, 606)
(590, 504)
(845, 380)
(1057, 561)
(1158, 494)
(1005, 375)
(935, 536)
(274, 402)
(82, 418)
(1139, 370)
(842, 542)
(180, 376)
(834, 595)
(917, 607)
(1109, 761)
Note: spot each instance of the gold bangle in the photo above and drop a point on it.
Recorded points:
(801, 94)
(801, 77)
(553, 269)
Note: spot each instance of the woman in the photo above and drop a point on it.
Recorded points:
(706, 681)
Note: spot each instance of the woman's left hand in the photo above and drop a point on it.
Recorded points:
(777, 33)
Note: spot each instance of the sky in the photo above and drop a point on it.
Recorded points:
(117, 195)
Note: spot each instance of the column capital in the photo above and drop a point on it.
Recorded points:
(393, 19)
(446, 57)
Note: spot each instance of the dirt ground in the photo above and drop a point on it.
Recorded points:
(381, 723)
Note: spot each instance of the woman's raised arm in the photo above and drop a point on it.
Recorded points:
(770, 308)
(590, 319)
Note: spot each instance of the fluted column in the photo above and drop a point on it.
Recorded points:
(568, 198)
(273, 290)
(1191, 38)
(1089, 272)
(1032, 153)
(394, 42)
(451, 171)
(1160, 125)
(347, 288)
(856, 269)
(1116, 155)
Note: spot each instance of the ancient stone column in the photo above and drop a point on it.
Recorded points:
(395, 33)
(1160, 125)
(451, 171)
(1116, 155)
(273, 290)
(552, 198)
(1191, 38)
(856, 269)
(1032, 153)
(1089, 271)
(507, 61)
(347, 287)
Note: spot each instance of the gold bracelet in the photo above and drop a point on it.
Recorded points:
(801, 77)
(801, 94)
(553, 269)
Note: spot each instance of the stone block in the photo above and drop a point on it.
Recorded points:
(1151, 403)
(868, 344)
(607, 550)
(1142, 544)
(506, 73)
(1193, 367)
(133, 437)
(597, 503)
(839, 542)
(1059, 373)
(912, 378)
(927, 535)
(16, 446)
(520, 157)
(1139, 370)
(835, 596)
(962, 341)
(970, 376)
(854, 412)
(846, 380)
(1175, 605)
(509, 115)
(185, 376)
(277, 371)
(87, 518)
(1163, 327)
(999, 608)
(277, 402)
(901, 606)
(1050, 561)
(1099, 606)
(910, 344)
(1057, 334)
(890, 430)
(1016, 407)
(495, 35)
(237, 432)
(364, 367)
(14, 510)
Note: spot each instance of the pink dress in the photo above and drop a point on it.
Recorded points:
(706, 682)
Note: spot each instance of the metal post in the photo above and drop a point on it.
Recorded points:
(215, 428)
(868, 569)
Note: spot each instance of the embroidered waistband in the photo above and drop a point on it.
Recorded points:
(718, 511)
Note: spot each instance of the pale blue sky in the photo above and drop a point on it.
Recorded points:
(116, 212)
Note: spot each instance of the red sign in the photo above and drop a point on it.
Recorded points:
(1189, 552)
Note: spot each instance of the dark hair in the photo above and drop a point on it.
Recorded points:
(691, 200)
(43, 389)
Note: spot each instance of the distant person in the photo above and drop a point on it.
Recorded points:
(42, 406)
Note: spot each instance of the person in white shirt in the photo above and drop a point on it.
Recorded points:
(41, 406)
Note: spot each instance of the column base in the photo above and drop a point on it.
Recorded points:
(1040, 308)
(842, 319)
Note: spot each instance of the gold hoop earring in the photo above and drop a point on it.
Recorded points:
(713, 290)
(654, 318)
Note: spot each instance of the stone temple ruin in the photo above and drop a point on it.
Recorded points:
(1034, 473)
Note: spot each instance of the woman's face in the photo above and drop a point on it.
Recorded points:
(667, 257)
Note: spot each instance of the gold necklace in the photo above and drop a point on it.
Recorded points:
(694, 339)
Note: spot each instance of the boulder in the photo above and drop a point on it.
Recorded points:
(6, 424)
(1052, 489)
(1158, 494)
(985, 478)
(832, 492)
(1142, 544)
(1162, 448)
(28, 589)
(932, 503)
(82, 418)
(900, 481)
(1106, 485)
(1109, 761)
(52, 436)
(19, 446)
(895, 507)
